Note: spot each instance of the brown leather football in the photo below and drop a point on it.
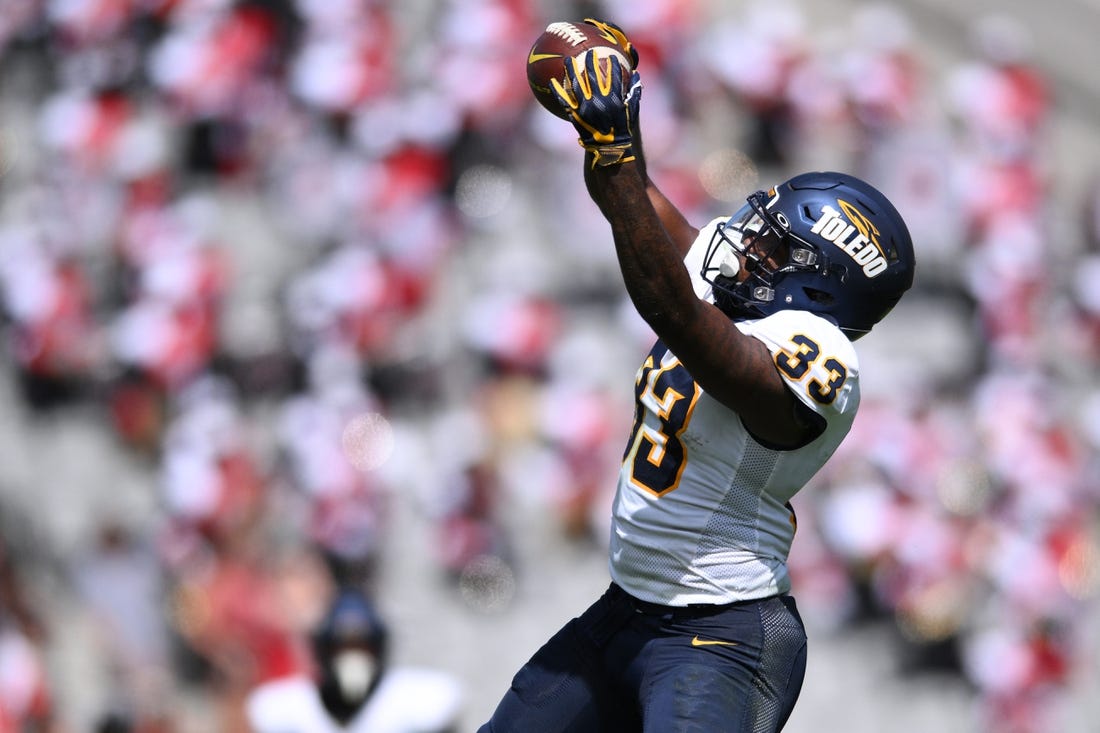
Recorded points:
(562, 40)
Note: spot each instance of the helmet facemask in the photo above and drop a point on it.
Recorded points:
(748, 256)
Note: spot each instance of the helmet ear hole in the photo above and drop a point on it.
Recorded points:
(819, 296)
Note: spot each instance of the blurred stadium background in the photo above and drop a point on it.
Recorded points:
(298, 293)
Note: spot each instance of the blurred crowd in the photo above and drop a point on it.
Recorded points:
(308, 258)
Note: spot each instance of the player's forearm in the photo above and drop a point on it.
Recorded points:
(651, 263)
(679, 229)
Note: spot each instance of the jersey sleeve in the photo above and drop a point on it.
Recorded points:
(814, 357)
(428, 699)
(277, 706)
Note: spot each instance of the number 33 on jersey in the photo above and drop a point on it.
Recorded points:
(814, 358)
(665, 398)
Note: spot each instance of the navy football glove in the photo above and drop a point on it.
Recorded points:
(601, 102)
(616, 35)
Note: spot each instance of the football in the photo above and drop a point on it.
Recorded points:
(562, 40)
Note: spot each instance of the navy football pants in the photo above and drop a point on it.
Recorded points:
(624, 666)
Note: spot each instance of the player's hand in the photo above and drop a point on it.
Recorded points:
(601, 101)
(616, 35)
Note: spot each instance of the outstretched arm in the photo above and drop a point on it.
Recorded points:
(735, 369)
(732, 367)
(679, 229)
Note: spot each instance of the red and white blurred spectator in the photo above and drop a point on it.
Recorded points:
(1021, 668)
(26, 702)
(881, 71)
(1029, 445)
(87, 127)
(1001, 97)
(19, 17)
(353, 297)
(349, 55)
(1007, 273)
(332, 437)
(47, 296)
(473, 58)
(121, 581)
(232, 610)
(178, 275)
(212, 480)
(213, 56)
(515, 332)
(755, 58)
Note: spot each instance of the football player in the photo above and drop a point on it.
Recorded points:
(355, 690)
(751, 386)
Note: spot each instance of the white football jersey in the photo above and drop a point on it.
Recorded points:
(405, 701)
(701, 512)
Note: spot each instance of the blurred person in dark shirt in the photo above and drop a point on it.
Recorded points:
(354, 688)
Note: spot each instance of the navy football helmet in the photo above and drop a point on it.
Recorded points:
(350, 646)
(826, 242)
